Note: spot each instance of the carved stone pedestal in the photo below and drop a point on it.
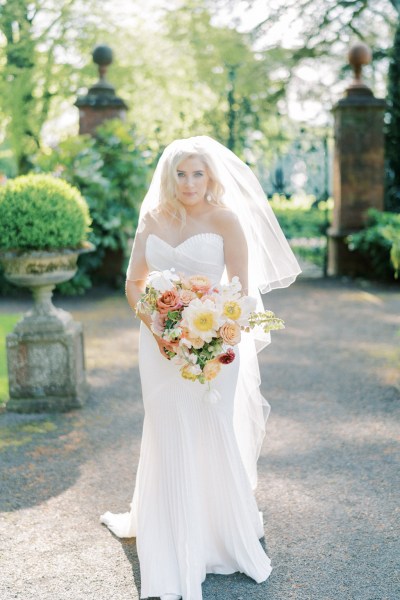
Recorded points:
(46, 363)
(45, 354)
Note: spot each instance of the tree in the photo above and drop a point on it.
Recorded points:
(243, 93)
(327, 29)
(36, 71)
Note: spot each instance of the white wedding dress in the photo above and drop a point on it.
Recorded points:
(193, 510)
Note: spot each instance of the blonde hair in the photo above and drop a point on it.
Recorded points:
(169, 178)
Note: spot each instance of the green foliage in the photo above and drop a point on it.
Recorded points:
(42, 212)
(304, 223)
(379, 242)
(112, 172)
(242, 95)
(36, 72)
(299, 217)
(7, 322)
(312, 250)
(392, 234)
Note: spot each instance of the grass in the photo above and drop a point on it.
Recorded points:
(7, 322)
(21, 434)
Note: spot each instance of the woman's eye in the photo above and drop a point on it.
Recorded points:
(198, 174)
(181, 174)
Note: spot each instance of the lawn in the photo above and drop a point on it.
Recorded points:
(7, 323)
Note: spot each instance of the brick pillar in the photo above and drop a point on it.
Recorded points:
(100, 103)
(358, 166)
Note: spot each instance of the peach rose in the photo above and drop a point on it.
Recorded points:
(196, 342)
(230, 333)
(200, 283)
(186, 296)
(211, 369)
(169, 300)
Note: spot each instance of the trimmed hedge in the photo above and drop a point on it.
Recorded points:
(41, 212)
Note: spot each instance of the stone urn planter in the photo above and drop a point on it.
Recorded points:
(45, 351)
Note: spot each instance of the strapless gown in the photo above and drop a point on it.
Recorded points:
(193, 510)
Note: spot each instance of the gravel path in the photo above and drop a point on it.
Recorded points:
(328, 478)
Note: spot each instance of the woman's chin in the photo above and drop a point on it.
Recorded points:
(189, 201)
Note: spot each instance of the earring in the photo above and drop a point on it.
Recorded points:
(208, 197)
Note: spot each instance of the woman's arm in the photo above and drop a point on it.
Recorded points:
(136, 282)
(235, 247)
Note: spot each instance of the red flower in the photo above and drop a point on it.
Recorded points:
(227, 358)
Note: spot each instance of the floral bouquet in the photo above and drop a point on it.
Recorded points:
(203, 322)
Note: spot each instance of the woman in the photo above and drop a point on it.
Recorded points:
(193, 510)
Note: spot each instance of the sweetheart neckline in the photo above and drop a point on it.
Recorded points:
(187, 239)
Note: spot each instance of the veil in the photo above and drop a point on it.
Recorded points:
(271, 264)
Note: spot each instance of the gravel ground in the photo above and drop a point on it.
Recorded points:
(328, 473)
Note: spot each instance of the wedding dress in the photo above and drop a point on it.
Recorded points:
(193, 510)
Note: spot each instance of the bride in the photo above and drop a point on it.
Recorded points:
(193, 510)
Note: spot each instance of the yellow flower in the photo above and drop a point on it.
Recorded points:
(204, 321)
(201, 319)
(232, 310)
(187, 374)
(211, 369)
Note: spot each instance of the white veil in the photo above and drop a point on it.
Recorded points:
(271, 263)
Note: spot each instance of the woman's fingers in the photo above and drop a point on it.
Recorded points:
(163, 346)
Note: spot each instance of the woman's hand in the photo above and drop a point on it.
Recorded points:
(164, 345)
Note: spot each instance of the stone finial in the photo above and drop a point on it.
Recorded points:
(101, 95)
(359, 55)
(103, 57)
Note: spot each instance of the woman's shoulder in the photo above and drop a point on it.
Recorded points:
(149, 222)
(223, 217)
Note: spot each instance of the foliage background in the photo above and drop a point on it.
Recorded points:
(243, 71)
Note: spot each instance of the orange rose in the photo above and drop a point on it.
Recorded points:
(230, 333)
(211, 369)
(169, 300)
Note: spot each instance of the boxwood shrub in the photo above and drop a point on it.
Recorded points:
(41, 212)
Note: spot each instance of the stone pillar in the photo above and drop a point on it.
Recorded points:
(100, 103)
(358, 177)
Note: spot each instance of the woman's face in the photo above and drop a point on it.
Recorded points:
(192, 181)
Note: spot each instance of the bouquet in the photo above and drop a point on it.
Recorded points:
(203, 322)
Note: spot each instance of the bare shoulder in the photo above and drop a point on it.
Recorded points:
(148, 223)
(224, 218)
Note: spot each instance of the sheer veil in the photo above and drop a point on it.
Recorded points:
(271, 265)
